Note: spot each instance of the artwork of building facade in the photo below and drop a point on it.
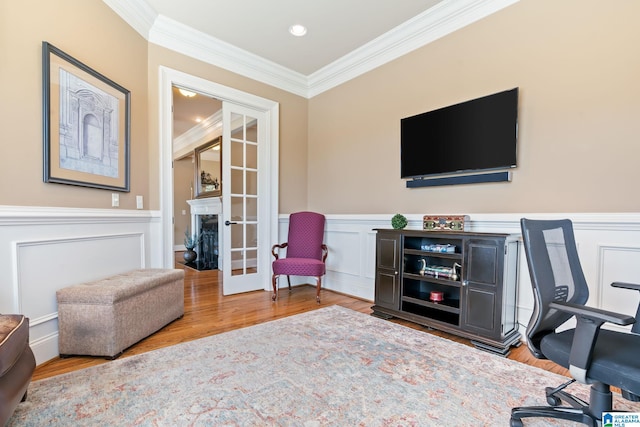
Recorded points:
(88, 127)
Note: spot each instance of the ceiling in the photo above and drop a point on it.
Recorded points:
(342, 36)
(345, 38)
(189, 112)
(335, 27)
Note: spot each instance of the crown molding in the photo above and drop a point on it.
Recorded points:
(205, 131)
(444, 18)
(181, 38)
(137, 13)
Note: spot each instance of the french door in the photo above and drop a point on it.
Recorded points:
(244, 225)
(254, 207)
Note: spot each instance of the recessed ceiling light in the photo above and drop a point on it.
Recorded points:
(187, 93)
(298, 30)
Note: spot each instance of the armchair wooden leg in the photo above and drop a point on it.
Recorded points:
(318, 286)
(289, 282)
(274, 282)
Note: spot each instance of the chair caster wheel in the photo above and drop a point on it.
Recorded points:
(553, 401)
(515, 422)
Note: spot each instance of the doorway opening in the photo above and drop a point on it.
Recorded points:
(197, 176)
(236, 101)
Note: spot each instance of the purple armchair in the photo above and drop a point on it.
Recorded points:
(306, 253)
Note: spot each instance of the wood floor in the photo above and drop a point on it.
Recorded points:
(208, 312)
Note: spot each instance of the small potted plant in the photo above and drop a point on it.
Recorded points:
(190, 242)
(399, 221)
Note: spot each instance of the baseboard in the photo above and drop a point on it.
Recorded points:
(45, 348)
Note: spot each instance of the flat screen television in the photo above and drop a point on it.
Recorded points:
(472, 136)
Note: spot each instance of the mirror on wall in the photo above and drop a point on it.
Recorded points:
(208, 169)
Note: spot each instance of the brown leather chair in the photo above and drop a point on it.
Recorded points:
(17, 363)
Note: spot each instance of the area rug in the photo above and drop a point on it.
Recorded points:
(328, 367)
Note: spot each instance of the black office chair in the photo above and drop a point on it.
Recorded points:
(595, 356)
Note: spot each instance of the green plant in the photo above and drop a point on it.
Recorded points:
(399, 221)
(191, 240)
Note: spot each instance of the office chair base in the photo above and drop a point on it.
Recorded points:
(578, 410)
(557, 412)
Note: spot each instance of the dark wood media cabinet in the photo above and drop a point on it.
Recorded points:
(459, 282)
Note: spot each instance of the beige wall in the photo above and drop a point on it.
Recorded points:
(293, 121)
(575, 62)
(93, 34)
(578, 68)
(183, 174)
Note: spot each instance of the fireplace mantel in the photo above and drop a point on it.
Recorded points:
(205, 206)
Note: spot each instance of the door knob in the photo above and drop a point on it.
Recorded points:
(227, 223)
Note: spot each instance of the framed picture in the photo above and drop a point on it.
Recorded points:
(86, 124)
(208, 162)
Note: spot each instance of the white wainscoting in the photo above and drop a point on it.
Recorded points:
(608, 244)
(45, 249)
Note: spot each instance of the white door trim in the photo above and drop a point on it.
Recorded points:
(170, 77)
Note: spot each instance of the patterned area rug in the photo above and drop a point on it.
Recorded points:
(329, 367)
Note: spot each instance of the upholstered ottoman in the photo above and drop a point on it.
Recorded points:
(104, 317)
(16, 363)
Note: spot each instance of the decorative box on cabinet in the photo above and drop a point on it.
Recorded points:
(458, 282)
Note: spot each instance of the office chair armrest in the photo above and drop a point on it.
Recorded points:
(274, 249)
(632, 286)
(589, 320)
(594, 314)
(636, 287)
(325, 252)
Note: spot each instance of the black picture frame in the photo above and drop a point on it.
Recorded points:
(86, 124)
